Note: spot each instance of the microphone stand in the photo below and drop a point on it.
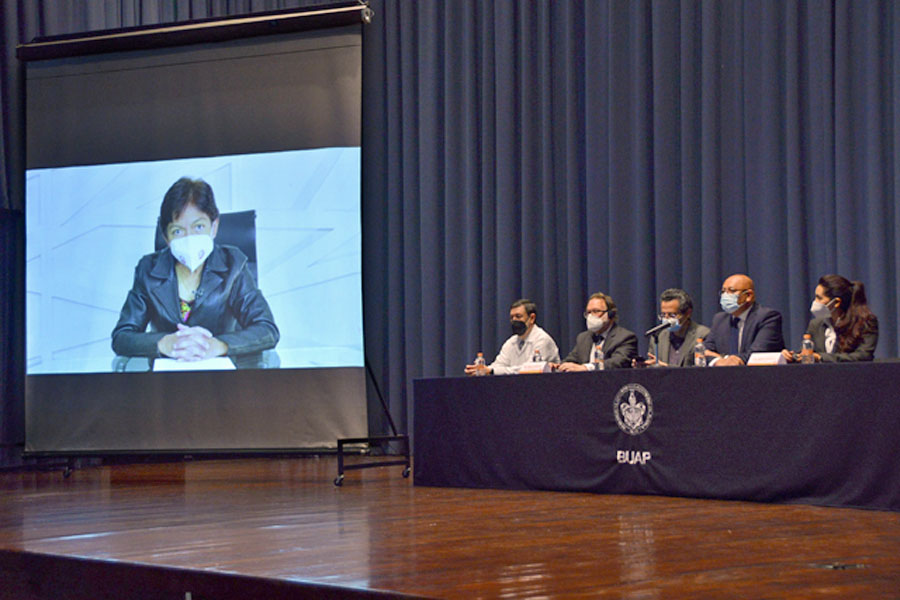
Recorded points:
(655, 337)
(653, 334)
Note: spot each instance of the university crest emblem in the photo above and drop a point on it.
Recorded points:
(633, 409)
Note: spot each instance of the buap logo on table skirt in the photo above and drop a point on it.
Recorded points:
(633, 409)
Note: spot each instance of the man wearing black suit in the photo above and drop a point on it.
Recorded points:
(619, 346)
(744, 327)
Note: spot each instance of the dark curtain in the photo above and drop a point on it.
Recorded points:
(550, 150)
(554, 149)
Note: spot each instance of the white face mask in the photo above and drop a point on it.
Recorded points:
(192, 250)
(595, 323)
(820, 311)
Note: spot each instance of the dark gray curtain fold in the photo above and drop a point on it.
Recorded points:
(12, 361)
(12, 331)
(553, 149)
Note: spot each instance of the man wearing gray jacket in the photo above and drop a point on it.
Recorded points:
(675, 346)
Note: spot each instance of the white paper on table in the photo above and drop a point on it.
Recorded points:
(767, 358)
(219, 363)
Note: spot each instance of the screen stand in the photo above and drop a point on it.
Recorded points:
(383, 439)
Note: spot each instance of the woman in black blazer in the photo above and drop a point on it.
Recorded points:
(843, 329)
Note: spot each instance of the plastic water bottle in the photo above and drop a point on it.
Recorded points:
(480, 368)
(806, 350)
(699, 353)
(598, 358)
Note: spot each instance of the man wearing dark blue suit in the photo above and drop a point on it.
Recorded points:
(744, 327)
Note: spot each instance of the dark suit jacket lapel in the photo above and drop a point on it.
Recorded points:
(215, 271)
(611, 339)
(749, 327)
(664, 345)
(163, 286)
(818, 335)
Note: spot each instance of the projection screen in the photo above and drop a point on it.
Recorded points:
(272, 125)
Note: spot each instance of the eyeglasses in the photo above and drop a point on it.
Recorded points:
(664, 316)
(733, 291)
(596, 312)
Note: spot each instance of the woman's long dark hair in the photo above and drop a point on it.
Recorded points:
(856, 318)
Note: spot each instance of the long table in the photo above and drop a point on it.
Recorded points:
(814, 434)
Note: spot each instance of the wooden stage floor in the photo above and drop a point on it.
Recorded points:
(279, 528)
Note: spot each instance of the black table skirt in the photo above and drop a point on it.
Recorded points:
(814, 434)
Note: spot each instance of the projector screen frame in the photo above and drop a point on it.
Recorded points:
(196, 32)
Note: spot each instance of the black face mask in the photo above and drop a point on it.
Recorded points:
(518, 327)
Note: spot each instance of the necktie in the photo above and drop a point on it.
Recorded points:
(735, 348)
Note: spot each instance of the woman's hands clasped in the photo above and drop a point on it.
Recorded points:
(191, 344)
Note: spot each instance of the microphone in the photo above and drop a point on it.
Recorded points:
(657, 329)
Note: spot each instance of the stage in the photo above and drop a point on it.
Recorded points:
(279, 528)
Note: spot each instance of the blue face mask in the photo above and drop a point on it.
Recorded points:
(674, 325)
(729, 303)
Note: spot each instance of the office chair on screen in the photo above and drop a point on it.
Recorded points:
(235, 229)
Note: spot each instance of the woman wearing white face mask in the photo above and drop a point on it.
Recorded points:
(843, 329)
(198, 297)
